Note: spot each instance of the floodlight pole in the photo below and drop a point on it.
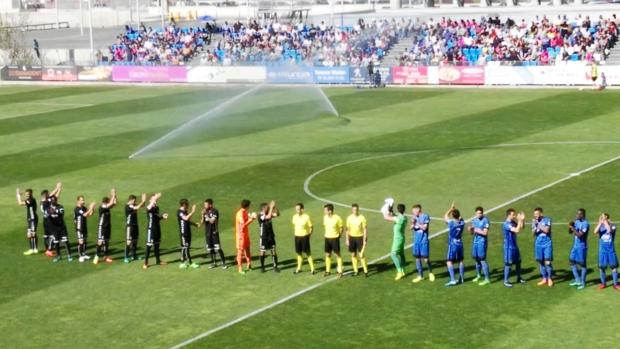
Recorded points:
(57, 15)
(90, 31)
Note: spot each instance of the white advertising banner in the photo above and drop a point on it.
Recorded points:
(567, 74)
(213, 74)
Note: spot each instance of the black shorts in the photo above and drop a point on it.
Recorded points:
(104, 233)
(267, 242)
(60, 234)
(153, 237)
(212, 241)
(132, 232)
(356, 243)
(32, 225)
(82, 235)
(302, 244)
(332, 245)
(47, 229)
(186, 240)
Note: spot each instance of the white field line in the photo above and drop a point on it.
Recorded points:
(321, 283)
(60, 104)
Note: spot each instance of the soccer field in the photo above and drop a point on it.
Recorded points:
(497, 148)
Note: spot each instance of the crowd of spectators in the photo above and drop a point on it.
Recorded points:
(541, 41)
(322, 45)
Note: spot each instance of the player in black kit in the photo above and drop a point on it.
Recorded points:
(267, 235)
(104, 230)
(153, 230)
(80, 215)
(210, 218)
(32, 220)
(185, 231)
(48, 234)
(56, 213)
(131, 226)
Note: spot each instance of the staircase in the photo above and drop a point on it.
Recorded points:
(614, 56)
(392, 57)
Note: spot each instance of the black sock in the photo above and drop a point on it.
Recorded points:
(183, 253)
(134, 248)
(80, 249)
(156, 250)
(30, 243)
(222, 257)
(57, 245)
(519, 271)
(68, 247)
(50, 243)
(274, 258)
(36, 242)
(97, 250)
(262, 261)
(212, 254)
(106, 248)
(84, 246)
(126, 250)
(189, 256)
(147, 254)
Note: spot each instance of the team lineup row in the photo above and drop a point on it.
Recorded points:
(354, 230)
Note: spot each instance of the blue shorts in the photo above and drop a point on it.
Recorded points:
(578, 255)
(543, 252)
(607, 259)
(512, 256)
(455, 253)
(479, 251)
(420, 249)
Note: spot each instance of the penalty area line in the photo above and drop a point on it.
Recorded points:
(374, 261)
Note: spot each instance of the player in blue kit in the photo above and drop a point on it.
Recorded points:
(512, 227)
(479, 227)
(579, 228)
(456, 225)
(419, 225)
(606, 251)
(543, 246)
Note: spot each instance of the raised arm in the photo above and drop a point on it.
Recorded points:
(18, 195)
(113, 199)
(141, 203)
(520, 223)
(91, 210)
(446, 216)
(57, 190)
(189, 215)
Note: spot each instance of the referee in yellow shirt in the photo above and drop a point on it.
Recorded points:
(357, 235)
(303, 231)
(333, 229)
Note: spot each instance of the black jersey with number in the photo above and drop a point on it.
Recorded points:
(31, 210)
(57, 216)
(154, 219)
(104, 217)
(131, 216)
(45, 208)
(80, 220)
(211, 228)
(184, 226)
(265, 225)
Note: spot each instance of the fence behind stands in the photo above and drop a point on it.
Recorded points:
(492, 74)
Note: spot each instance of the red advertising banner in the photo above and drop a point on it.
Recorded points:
(149, 74)
(461, 75)
(409, 75)
(60, 74)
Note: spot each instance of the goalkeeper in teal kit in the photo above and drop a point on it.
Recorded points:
(398, 241)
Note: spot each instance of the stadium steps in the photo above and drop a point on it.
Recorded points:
(392, 57)
(614, 56)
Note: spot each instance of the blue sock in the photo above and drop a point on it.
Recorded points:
(549, 271)
(451, 272)
(543, 271)
(506, 273)
(418, 265)
(485, 269)
(462, 271)
(584, 271)
(603, 276)
(477, 269)
(519, 271)
(430, 268)
(614, 275)
(575, 273)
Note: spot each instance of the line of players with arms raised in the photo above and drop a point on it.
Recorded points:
(355, 231)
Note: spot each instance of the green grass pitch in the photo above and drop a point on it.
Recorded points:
(428, 146)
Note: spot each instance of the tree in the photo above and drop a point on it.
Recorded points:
(12, 41)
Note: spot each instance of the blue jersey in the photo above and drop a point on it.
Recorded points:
(581, 225)
(480, 223)
(542, 238)
(421, 235)
(510, 238)
(455, 231)
(606, 239)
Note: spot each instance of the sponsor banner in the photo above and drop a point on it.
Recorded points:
(433, 75)
(409, 75)
(213, 74)
(386, 74)
(22, 72)
(331, 75)
(358, 75)
(612, 74)
(98, 73)
(61, 73)
(148, 74)
(563, 74)
(461, 75)
(290, 75)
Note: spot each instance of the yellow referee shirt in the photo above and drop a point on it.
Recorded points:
(356, 225)
(333, 226)
(302, 224)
